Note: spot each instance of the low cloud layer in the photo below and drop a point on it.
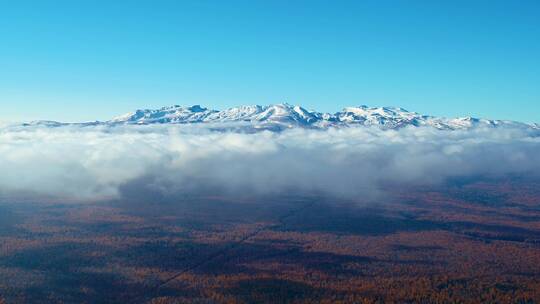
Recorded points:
(164, 162)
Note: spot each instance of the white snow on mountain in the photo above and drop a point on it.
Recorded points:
(283, 116)
(287, 116)
(172, 114)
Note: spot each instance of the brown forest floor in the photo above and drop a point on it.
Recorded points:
(474, 242)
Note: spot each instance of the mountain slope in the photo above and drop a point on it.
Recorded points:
(282, 116)
(287, 116)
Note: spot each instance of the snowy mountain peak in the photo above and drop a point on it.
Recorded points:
(171, 114)
(197, 108)
(283, 115)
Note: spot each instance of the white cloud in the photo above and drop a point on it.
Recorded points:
(164, 161)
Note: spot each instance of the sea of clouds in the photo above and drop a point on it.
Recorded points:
(166, 161)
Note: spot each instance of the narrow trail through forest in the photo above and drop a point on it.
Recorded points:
(223, 252)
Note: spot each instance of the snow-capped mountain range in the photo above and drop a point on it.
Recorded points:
(283, 116)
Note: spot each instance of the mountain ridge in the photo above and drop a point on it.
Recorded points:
(282, 116)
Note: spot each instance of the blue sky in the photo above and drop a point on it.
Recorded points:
(87, 60)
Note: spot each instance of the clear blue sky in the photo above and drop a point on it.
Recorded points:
(86, 60)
